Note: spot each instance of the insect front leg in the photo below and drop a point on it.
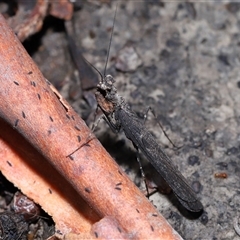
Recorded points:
(90, 136)
(115, 124)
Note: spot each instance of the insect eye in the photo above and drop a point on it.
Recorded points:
(103, 92)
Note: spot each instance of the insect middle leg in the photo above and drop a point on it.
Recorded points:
(159, 124)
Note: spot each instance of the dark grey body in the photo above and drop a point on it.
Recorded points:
(118, 115)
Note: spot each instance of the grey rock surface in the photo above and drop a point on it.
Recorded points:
(190, 75)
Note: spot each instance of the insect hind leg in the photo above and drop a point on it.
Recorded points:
(141, 170)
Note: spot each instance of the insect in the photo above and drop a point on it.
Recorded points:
(118, 115)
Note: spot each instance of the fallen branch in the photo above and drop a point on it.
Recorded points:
(34, 109)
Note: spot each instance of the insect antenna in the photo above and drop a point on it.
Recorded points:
(93, 67)
(109, 46)
(110, 42)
